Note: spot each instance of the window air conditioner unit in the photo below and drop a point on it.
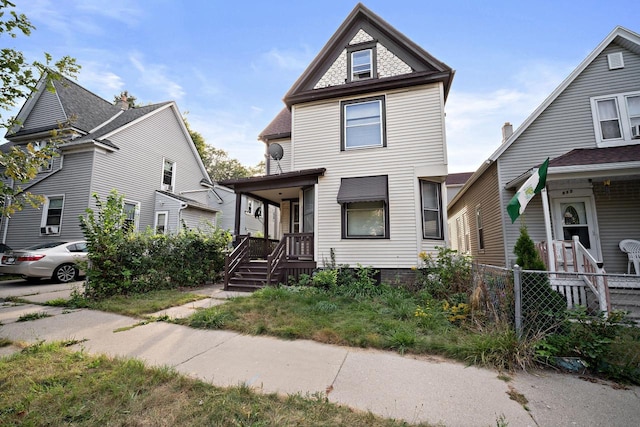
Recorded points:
(167, 187)
(50, 229)
(635, 132)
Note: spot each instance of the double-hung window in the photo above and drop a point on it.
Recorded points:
(52, 215)
(162, 218)
(361, 64)
(431, 210)
(480, 228)
(131, 212)
(168, 175)
(616, 118)
(363, 123)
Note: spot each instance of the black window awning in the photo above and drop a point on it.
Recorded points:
(363, 189)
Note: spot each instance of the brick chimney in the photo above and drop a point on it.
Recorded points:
(123, 103)
(507, 131)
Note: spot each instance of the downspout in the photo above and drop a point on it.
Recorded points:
(183, 206)
(5, 223)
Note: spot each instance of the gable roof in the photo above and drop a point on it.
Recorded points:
(280, 127)
(85, 109)
(425, 68)
(620, 35)
(458, 178)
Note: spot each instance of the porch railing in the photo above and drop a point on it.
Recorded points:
(572, 256)
(236, 258)
(299, 246)
(275, 263)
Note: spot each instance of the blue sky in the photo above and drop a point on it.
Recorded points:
(228, 64)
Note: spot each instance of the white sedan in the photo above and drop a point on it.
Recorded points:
(56, 260)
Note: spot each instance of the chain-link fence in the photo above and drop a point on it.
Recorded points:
(535, 302)
(562, 314)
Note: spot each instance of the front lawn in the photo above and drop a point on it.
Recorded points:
(394, 319)
(46, 384)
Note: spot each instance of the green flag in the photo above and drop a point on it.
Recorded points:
(533, 186)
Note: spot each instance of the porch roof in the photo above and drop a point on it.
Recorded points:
(275, 188)
(589, 163)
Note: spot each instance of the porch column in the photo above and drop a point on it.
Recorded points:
(547, 227)
(236, 226)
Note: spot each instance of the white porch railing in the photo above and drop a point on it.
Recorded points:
(571, 256)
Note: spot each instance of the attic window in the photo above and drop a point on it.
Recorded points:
(361, 64)
(615, 60)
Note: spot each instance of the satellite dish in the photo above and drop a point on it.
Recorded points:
(276, 151)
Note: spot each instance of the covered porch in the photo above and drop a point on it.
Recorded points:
(260, 261)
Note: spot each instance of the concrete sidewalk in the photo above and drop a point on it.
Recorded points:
(415, 389)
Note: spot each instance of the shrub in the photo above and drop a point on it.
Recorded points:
(593, 339)
(122, 262)
(543, 309)
(445, 274)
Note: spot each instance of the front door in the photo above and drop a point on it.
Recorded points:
(295, 217)
(575, 216)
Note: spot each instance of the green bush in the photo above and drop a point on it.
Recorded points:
(595, 340)
(543, 309)
(122, 262)
(444, 275)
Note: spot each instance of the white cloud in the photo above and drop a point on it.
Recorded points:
(288, 59)
(474, 120)
(105, 82)
(154, 77)
(236, 133)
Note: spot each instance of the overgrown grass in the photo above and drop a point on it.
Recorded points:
(136, 305)
(391, 320)
(47, 384)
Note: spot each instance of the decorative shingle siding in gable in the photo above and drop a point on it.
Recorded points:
(390, 65)
(46, 112)
(336, 74)
(361, 37)
(387, 63)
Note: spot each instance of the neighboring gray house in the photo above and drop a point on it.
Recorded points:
(589, 127)
(357, 159)
(145, 153)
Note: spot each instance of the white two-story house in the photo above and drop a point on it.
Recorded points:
(357, 158)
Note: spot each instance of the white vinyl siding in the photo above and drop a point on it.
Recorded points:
(285, 162)
(415, 149)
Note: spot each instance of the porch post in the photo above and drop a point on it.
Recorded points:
(547, 228)
(236, 226)
(266, 220)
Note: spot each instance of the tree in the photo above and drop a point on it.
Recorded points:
(126, 96)
(196, 137)
(221, 167)
(19, 79)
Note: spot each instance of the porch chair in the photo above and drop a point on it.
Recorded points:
(632, 249)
